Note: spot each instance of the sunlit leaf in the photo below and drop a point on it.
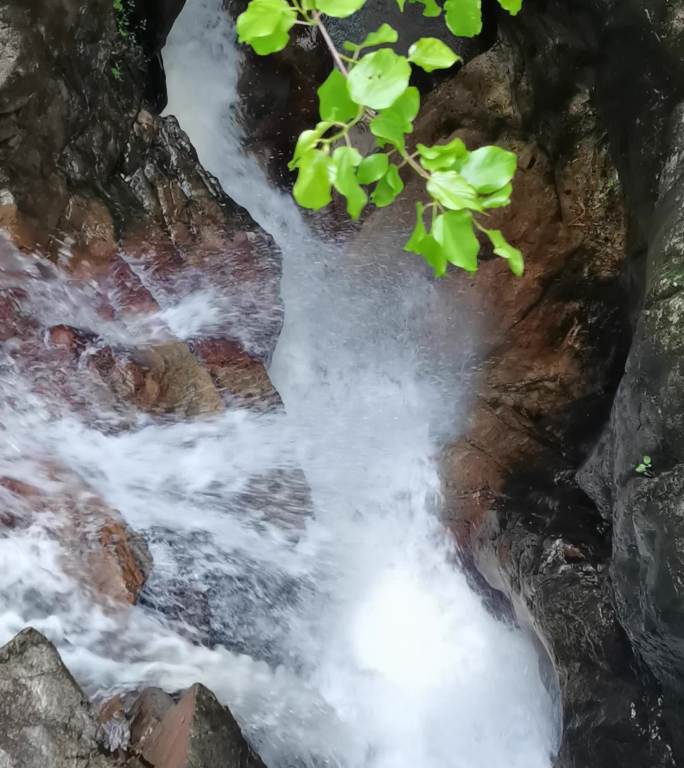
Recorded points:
(265, 25)
(429, 53)
(387, 189)
(498, 199)
(443, 157)
(430, 7)
(379, 79)
(335, 103)
(392, 123)
(452, 191)
(339, 8)
(344, 162)
(504, 249)
(512, 6)
(384, 34)
(312, 188)
(489, 168)
(463, 17)
(307, 140)
(418, 231)
(453, 230)
(372, 168)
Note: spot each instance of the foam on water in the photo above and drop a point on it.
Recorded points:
(354, 642)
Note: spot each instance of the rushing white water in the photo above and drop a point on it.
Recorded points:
(356, 643)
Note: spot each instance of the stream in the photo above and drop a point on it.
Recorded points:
(351, 639)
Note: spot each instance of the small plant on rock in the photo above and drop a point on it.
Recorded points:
(122, 14)
(370, 84)
(645, 467)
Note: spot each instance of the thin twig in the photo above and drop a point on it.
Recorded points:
(331, 46)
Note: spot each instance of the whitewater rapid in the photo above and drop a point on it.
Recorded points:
(357, 642)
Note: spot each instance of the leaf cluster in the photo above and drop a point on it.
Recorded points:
(371, 84)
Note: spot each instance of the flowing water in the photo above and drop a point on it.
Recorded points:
(354, 642)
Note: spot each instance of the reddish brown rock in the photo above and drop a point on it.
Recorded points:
(241, 379)
(197, 732)
(99, 549)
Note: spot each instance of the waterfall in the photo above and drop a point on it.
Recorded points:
(355, 642)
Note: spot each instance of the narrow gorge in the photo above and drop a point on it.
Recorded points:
(272, 494)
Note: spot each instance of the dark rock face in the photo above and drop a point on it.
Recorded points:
(598, 575)
(550, 363)
(46, 720)
(647, 512)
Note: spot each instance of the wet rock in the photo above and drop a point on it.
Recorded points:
(146, 714)
(108, 558)
(551, 350)
(168, 379)
(648, 419)
(44, 718)
(197, 732)
(241, 380)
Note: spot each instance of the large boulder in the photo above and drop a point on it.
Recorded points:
(45, 720)
(647, 510)
(196, 732)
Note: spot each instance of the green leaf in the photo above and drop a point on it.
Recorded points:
(489, 168)
(443, 157)
(504, 249)
(430, 7)
(453, 230)
(344, 162)
(429, 53)
(463, 17)
(340, 9)
(335, 103)
(452, 191)
(498, 199)
(307, 140)
(384, 34)
(372, 168)
(425, 245)
(419, 232)
(641, 469)
(512, 6)
(406, 107)
(312, 188)
(387, 189)
(401, 4)
(379, 79)
(388, 130)
(647, 460)
(265, 25)
(392, 123)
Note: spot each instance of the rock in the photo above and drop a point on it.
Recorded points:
(162, 379)
(98, 548)
(241, 379)
(197, 732)
(648, 419)
(551, 351)
(46, 720)
(146, 714)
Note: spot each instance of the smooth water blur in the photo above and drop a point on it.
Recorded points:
(355, 641)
